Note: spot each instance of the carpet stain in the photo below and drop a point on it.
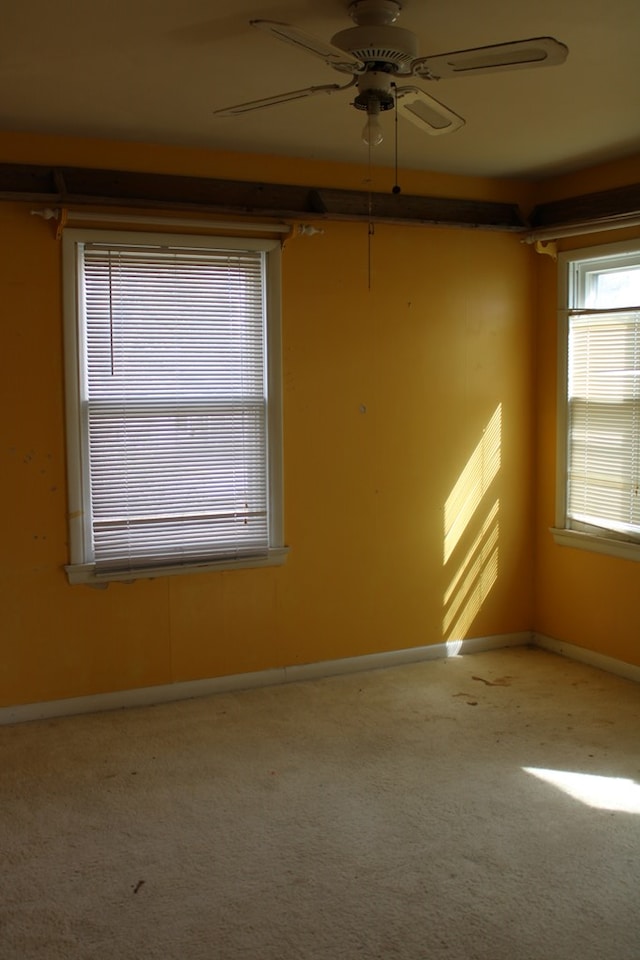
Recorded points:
(468, 698)
(498, 682)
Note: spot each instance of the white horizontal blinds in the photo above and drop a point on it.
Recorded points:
(604, 421)
(604, 400)
(176, 404)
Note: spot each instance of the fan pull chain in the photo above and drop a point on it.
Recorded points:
(370, 229)
(396, 185)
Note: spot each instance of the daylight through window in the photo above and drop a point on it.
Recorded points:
(600, 493)
(174, 403)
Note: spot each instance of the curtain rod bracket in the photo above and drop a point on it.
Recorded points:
(51, 213)
(47, 214)
(550, 247)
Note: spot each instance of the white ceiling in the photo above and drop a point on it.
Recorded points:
(154, 70)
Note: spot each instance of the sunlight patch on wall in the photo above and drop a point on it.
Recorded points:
(473, 579)
(602, 793)
(481, 469)
(486, 536)
(467, 512)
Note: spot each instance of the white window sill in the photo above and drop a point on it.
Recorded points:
(597, 544)
(86, 572)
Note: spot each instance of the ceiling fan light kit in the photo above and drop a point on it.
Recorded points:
(376, 53)
(372, 131)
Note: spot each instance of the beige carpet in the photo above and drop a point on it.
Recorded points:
(479, 808)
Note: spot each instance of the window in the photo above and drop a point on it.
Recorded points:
(173, 403)
(599, 422)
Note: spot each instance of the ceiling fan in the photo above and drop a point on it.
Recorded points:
(376, 53)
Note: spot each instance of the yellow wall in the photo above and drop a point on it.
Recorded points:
(408, 407)
(583, 598)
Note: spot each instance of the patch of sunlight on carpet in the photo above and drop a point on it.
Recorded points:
(603, 793)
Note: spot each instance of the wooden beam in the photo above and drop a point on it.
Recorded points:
(425, 210)
(62, 186)
(604, 205)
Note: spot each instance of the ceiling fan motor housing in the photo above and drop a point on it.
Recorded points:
(384, 48)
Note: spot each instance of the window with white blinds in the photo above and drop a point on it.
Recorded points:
(602, 456)
(174, 403)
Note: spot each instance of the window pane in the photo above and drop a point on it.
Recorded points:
(613, 288)
(603, 395)
(175, 405)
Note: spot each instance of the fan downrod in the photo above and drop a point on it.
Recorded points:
(379, 13)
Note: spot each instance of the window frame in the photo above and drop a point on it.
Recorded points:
(81, 566)
(588, 538)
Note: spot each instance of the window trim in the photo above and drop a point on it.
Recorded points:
(81, 568)
(606, 542)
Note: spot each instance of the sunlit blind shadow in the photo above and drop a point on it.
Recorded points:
(466, 513)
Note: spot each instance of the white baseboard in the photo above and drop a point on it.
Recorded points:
(395, 658)
(627, 670)
(147, 696)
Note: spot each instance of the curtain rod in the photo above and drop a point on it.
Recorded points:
(50, 213)
(587, 226)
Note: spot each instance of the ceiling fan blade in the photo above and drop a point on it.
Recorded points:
(334, 56)
(537, 52)
(239, 108)
(426, 112)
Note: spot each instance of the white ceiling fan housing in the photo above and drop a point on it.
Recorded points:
(375, 52)
(392, 46)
